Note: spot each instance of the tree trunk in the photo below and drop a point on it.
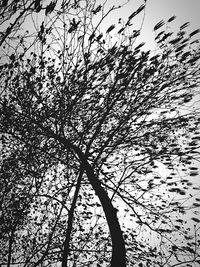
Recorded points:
(118, 245)
(10, 248)
(70, 221)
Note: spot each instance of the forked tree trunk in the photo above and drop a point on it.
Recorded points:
(118, 245)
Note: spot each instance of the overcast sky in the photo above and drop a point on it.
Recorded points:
(184, 10)
(156, 10)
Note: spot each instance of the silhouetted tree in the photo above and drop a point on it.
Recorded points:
(98, 139)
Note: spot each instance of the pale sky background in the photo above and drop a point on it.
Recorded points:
(156, 10)
(184, 10)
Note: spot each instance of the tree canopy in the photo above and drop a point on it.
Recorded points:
(99, 139)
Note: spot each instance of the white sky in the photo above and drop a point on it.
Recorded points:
(184, 10)
(156, 10)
